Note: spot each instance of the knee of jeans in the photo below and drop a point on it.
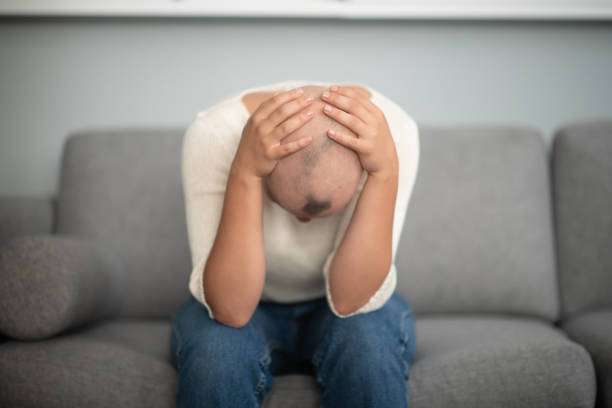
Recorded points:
(356, 338)
(361, 326)
(363, 355)
(220, 342)
(227, 357)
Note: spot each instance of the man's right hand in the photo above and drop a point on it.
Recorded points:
(260, 146)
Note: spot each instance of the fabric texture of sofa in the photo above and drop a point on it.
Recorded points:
(582, 164)
(505, 257)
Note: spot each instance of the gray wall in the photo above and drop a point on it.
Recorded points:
(58, 75)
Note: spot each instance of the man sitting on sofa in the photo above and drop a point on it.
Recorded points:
(295, 198)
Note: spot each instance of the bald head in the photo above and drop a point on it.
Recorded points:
(321, 178)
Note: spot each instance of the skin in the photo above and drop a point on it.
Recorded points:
(320, 179)
(235, 270)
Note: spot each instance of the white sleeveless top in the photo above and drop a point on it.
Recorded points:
(298, 255)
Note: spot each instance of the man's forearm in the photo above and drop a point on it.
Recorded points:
(235, 271)
(364, 256)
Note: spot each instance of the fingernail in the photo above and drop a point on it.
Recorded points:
(332, 132)
(333, 88)
(309, 113)
(299, 91)
(308, 99)
(325, 94)
(327, 108)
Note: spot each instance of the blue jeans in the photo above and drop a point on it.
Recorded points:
(359, 361)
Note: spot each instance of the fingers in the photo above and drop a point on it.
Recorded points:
(357, 93)
(348, 120)
(288, 109)
(279, 150)
(351, 142)
(291, 124)
(272, 103)
(360, 90)
(349, 104)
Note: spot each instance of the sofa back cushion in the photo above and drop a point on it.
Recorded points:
(123, 187)
(582, 174)
(478, 231)
(477, 236)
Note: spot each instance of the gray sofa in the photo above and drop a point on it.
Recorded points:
(582, 168)
(505, 258)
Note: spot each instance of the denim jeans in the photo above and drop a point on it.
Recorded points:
(358, 361)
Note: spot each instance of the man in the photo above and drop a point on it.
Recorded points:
(294, 213)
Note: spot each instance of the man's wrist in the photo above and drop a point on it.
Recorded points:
(385, 175)
(244, 176)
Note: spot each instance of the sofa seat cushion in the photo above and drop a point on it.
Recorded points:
(594, 331)
(498, 361)
(113, 364)
(293, 390)
(460, 361)
(149, 336)
(476, 361)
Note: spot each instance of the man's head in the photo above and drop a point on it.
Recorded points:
(321, 178)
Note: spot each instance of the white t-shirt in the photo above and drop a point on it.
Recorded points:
(298, 255)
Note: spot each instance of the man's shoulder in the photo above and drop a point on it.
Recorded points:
(401, 123)
(222, 109)
(214, 131)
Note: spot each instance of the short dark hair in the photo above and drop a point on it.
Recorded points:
(311, 154)
(314, 206)
(318, 170)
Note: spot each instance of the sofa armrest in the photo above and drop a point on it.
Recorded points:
(20, 216)
(52, 283)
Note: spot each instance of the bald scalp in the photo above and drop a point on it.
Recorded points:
(321, 178)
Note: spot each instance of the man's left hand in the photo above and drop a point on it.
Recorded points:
(352, 107)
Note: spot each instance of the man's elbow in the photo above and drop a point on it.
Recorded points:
(344, 311)
(232, 318)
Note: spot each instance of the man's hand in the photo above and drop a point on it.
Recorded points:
(260, 146)
(353, 108)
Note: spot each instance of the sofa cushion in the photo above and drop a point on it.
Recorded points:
(582, 169)
(293, 390)
(50, 283)
(594, 331)
(470, 361)
(478, 235)
(480, 362)
(73, 370)
(123, 188)
(498, 362)
(149, 336)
